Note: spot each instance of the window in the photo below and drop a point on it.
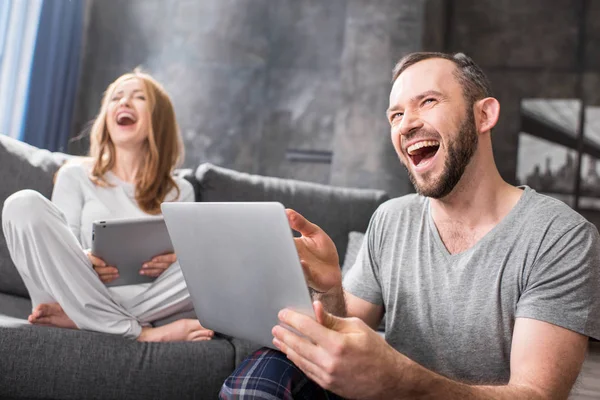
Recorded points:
(18, 28)
(554, 160)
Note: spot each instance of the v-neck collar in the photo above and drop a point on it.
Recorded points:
(527, 191)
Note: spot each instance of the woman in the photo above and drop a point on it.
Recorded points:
(135, 145)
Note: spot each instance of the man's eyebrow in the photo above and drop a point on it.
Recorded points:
(426, 94)
(392, 109)
(416, 99)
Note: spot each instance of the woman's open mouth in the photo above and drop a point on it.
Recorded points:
(421, 152)
(126, 119)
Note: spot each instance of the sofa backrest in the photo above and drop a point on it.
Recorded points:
(22, 167)
(337, 210)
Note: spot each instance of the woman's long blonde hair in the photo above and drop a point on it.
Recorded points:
(163, 150)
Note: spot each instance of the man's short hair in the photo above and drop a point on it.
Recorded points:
(475, 84)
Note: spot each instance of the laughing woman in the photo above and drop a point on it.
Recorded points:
(135, 146)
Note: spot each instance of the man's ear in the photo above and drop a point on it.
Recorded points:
(486, 112)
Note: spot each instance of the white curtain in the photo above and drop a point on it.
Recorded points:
(18, 28)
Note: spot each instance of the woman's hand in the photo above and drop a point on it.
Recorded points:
(158, 265)
(106, 273)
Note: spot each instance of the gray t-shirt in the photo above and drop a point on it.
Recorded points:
(455, 313)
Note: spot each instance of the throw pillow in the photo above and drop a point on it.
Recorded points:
(355, 240)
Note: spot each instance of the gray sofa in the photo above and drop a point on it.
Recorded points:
(51, 363)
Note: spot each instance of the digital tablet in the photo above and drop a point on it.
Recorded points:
(128, 243)
(240, 265)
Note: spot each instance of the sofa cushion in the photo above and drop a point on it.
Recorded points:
(22, 167)
(243, 349)
(53, 363)
(14, 306)
(337, 210)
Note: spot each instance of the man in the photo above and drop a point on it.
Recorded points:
(489, 291)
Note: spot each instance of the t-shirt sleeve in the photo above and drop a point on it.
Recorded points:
(68, 196)
(363, 279)
(563, 287)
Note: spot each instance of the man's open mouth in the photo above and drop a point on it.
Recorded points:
(126, 118)
(422, 151)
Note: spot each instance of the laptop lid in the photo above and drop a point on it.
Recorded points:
(240, 264)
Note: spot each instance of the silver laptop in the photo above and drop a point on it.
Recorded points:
(240, 264)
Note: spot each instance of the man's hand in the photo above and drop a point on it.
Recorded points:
(343, 355)
(317, 252)
(158, 265)
(106, 273)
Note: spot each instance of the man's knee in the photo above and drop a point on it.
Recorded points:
(267, 372)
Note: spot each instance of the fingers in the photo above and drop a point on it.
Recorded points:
(151, 272)
(107, 274)
(158, 265)
(287, 340)
(153, 269)
(108, 278)
(301, 224)
(155, 265)
(313, 371)
(108, 270)
(312, 329)
(168, 258)
(96, 261)
(326, 319)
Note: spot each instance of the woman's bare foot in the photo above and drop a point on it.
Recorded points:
(51, 314)
(178, 331)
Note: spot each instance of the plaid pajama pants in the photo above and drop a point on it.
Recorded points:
(268, 374)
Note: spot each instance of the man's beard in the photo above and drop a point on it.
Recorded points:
(460, 151)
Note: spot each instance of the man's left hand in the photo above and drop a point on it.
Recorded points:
(342, 355)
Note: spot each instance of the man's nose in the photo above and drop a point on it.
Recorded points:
(410, 122)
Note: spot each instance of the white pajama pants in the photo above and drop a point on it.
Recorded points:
(55, 268)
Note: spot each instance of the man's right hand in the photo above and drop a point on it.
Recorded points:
(317, 252)
(106, 273)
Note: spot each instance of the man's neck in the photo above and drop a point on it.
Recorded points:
(479, 199)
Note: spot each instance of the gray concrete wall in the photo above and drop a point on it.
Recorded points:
(253, 79)
(529, 49)
(378, 34)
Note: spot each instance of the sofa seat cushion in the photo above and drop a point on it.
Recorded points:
(22, 167)
(42, 362)
(337, 210)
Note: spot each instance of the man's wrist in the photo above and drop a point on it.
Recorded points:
(313, 292)
(316, 294)
(333, 299)
(407, 379)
